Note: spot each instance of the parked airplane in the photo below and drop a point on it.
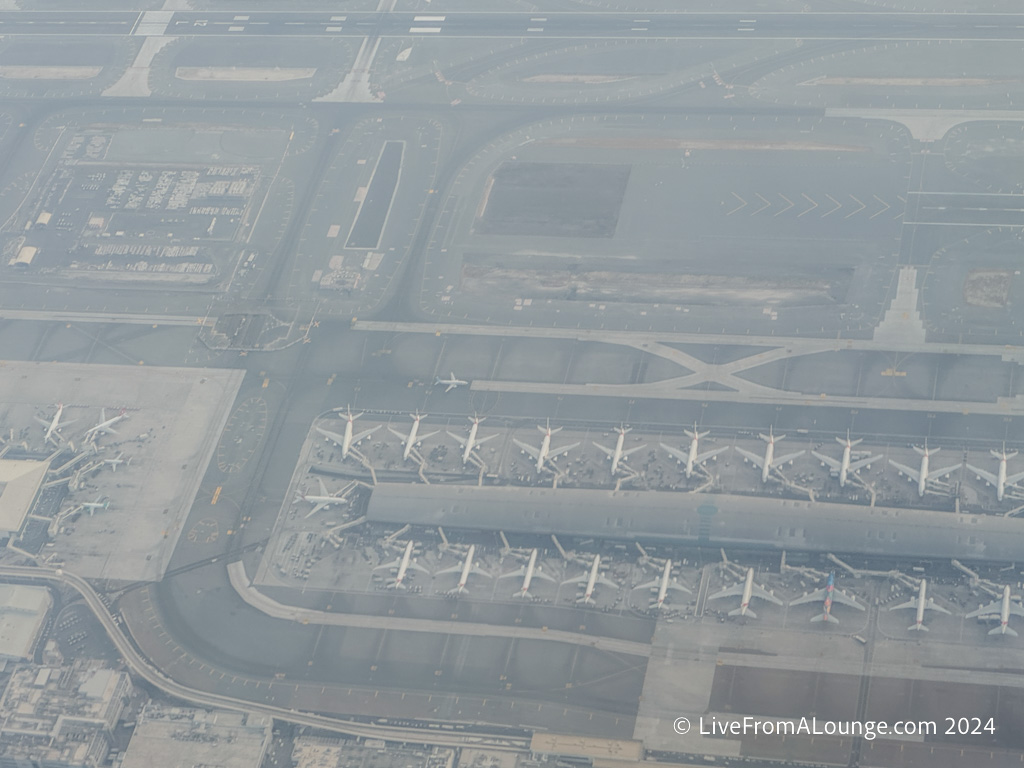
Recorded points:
(92, 506)
(617, 454)
(544, 453)
(451, 383)
(923, 476)
(846, 465)
(921, 603)
(348, 441)
(322, 501)
(414, 438)
(1002, 608)
(769, 462)
(528, 572)
(746, 590)
(403, 564)
(465, 570)
(663, 584)
(828, 595)
(471, 442)
(117, 461)
(1000, 480)
(591, 579)
(105, 425)
(53, 426)
(692, 458)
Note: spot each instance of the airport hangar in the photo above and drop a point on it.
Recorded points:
(703, 520)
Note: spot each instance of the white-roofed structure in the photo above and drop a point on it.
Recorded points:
(23, 612)
(20, 480)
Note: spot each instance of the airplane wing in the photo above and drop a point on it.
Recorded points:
(993, 608)
(988, 477)
(602, 579)
(457, 439)
(482, 440)
(392, 564)
(708, 455)
(334, 437)
(607, 451)
(649, 584)
(735, 590)
(838, 596)
(581, 579)
(421, 438)
(675, 453)
(679, 587)
(936, 474)
(631, 451)
(911, 473)
(323, 488)
(561, 451)
(781, 460)
(397, 434)
(828, 461)
(909, 605)
(811, 597)
(764, 594)
(1010, 479)
(856, 466)
(539, 574)
(529, 450)
(931, 605)
(521, 571)
(364, 434)
(450, 387)
(753, 458)
(480, 571)
(457, 568)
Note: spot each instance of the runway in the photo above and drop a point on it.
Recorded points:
(595, 26)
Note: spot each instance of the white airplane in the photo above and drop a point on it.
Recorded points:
(1000, 480)
(467, 568)
(321, 501)
(104, 427)
(471, 442)
(544, 453)
(768, 462)
(592, 579)
(828, 595)
(414, 438)
(692, 458)
(923, 476)
(403, 564)
(117, 460)
(92, 506)
(921, 603)
(53, 426)
(746, 590)
(1002, 608)
(663, 585)
(845, 466)
(348, 441)
(528, 572)
(617, 454)
(451, 383)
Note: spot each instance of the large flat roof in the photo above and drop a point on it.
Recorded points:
(23, 612)
(712, 520)
(19, 483)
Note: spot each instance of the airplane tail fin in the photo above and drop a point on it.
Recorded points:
(825, 617)
(1002, 629)
(917, 628)
(743, 612)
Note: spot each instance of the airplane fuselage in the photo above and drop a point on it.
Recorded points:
(691, 457)
(1004, 610)
(748, 583)
(844, 465)
(829, 589)
(588, 593)
(467, 567)
(55, 422)
(470, 441)
(1001, 478)
(524, 591)
(769, 457)
(410, 441)
(922, 601)
(922, 480)
(545, 448)
(403, 566)
(617, 455)
(666, 575)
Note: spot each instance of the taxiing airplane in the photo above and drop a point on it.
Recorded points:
(663, 585)
(769, 462)
(828, 595)
(528, 572)
(348, 441)
(467, 568)
(591, 579)
(450, 383)
(746, 590)
(414, 438)
(923, 476)
(322, 501)
(1000, 480)
(845, 465)
(544, 453)
(471, 442)
(692, 458)
(921, 603)
(617, 454)
(105, 425)
(117, 461)
(402, 564)
(1002, 608)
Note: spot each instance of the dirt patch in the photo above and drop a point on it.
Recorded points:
(664, 144)
(244, 74)
(581, 79)
(987, 288)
